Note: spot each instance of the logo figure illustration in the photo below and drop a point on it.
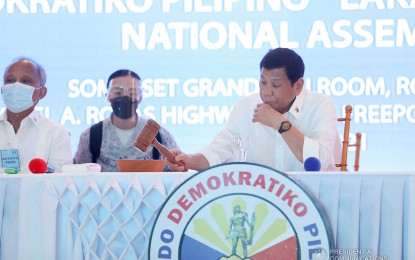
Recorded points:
(237, 230)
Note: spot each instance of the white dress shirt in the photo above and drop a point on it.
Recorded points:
(313, 114)
(37, 137)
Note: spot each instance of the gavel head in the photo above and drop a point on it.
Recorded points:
(147, 135)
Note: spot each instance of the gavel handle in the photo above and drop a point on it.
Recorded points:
(169, 155)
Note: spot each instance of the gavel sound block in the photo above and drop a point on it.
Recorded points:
(147, 137)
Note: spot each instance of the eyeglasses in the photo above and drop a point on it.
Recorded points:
(116, 91)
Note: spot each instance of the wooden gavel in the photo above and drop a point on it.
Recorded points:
(147, 137)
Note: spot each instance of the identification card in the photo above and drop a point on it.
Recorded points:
(10, 159)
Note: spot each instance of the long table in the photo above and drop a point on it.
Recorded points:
(110, 215)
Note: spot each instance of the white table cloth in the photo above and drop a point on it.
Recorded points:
(110, 215)
(373, 211)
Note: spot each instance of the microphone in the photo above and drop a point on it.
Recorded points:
(312, 164)
(50, 169)
(38, 165)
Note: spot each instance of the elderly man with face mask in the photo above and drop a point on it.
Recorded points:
(113, 139)
(25, 134)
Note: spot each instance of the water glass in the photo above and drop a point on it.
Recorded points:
(240, 147)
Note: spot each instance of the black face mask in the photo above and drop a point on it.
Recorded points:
(124, 107)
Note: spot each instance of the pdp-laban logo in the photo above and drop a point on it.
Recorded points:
(239, 211)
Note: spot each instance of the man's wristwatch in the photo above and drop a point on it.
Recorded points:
(285, 126)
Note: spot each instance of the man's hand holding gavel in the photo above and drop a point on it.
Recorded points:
(147, 137)
(194, 161)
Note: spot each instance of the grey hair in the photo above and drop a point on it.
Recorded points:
(40, 70)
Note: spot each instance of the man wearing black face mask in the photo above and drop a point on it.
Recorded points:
(113, 138)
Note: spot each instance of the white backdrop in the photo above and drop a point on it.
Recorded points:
(198, 57)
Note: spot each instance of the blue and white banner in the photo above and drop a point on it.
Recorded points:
(198, 57)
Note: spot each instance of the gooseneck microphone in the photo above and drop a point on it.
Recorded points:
(38, 166)
(312, 164)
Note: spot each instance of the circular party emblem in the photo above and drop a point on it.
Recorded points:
(239, 211)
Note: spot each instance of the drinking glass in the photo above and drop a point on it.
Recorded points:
(240, 147)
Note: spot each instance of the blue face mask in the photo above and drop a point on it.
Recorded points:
(17, 96)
